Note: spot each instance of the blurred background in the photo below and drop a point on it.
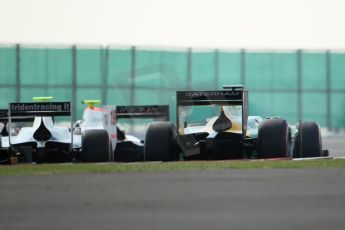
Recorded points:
(289, 54)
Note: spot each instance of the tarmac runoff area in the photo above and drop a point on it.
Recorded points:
(213, 199)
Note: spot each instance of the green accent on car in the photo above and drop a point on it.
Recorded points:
(42, 99)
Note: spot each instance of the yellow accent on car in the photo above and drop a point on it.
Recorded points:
(91, 103)
(235, 128)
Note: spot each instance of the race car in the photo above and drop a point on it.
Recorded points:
(44, 141)
(125, 132)
(215, 125)
(132, 124)
(98, 118)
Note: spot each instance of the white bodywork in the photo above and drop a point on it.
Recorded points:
(104, 118)
(25, 134)
(134, 140)
(99, 118)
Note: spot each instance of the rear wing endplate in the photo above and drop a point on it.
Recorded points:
(160, 112)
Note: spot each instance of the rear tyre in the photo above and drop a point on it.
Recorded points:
(311, 141)
(159, 142)
(273, 139)
(95, 146)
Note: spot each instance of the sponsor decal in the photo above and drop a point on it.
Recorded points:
(212, 93)
(40, 107)
(209, 97)
(143, 111)
(138, 109)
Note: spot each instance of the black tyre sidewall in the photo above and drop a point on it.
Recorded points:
(158, 144)
(311, 140)
(273, 139)
(95, 146)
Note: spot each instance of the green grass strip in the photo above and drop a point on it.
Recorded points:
(51, 169)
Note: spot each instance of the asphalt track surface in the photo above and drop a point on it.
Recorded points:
(335, 145)
(214, 199)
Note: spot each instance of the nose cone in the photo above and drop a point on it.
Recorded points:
(222, 123)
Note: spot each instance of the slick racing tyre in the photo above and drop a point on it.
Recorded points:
(273, 139)
(159, 142)
(310, 145)
(95, 146)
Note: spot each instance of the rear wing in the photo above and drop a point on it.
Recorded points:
(230, 95)
(40, 109)
(158, 112)
(215, 97)
(4, 117)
